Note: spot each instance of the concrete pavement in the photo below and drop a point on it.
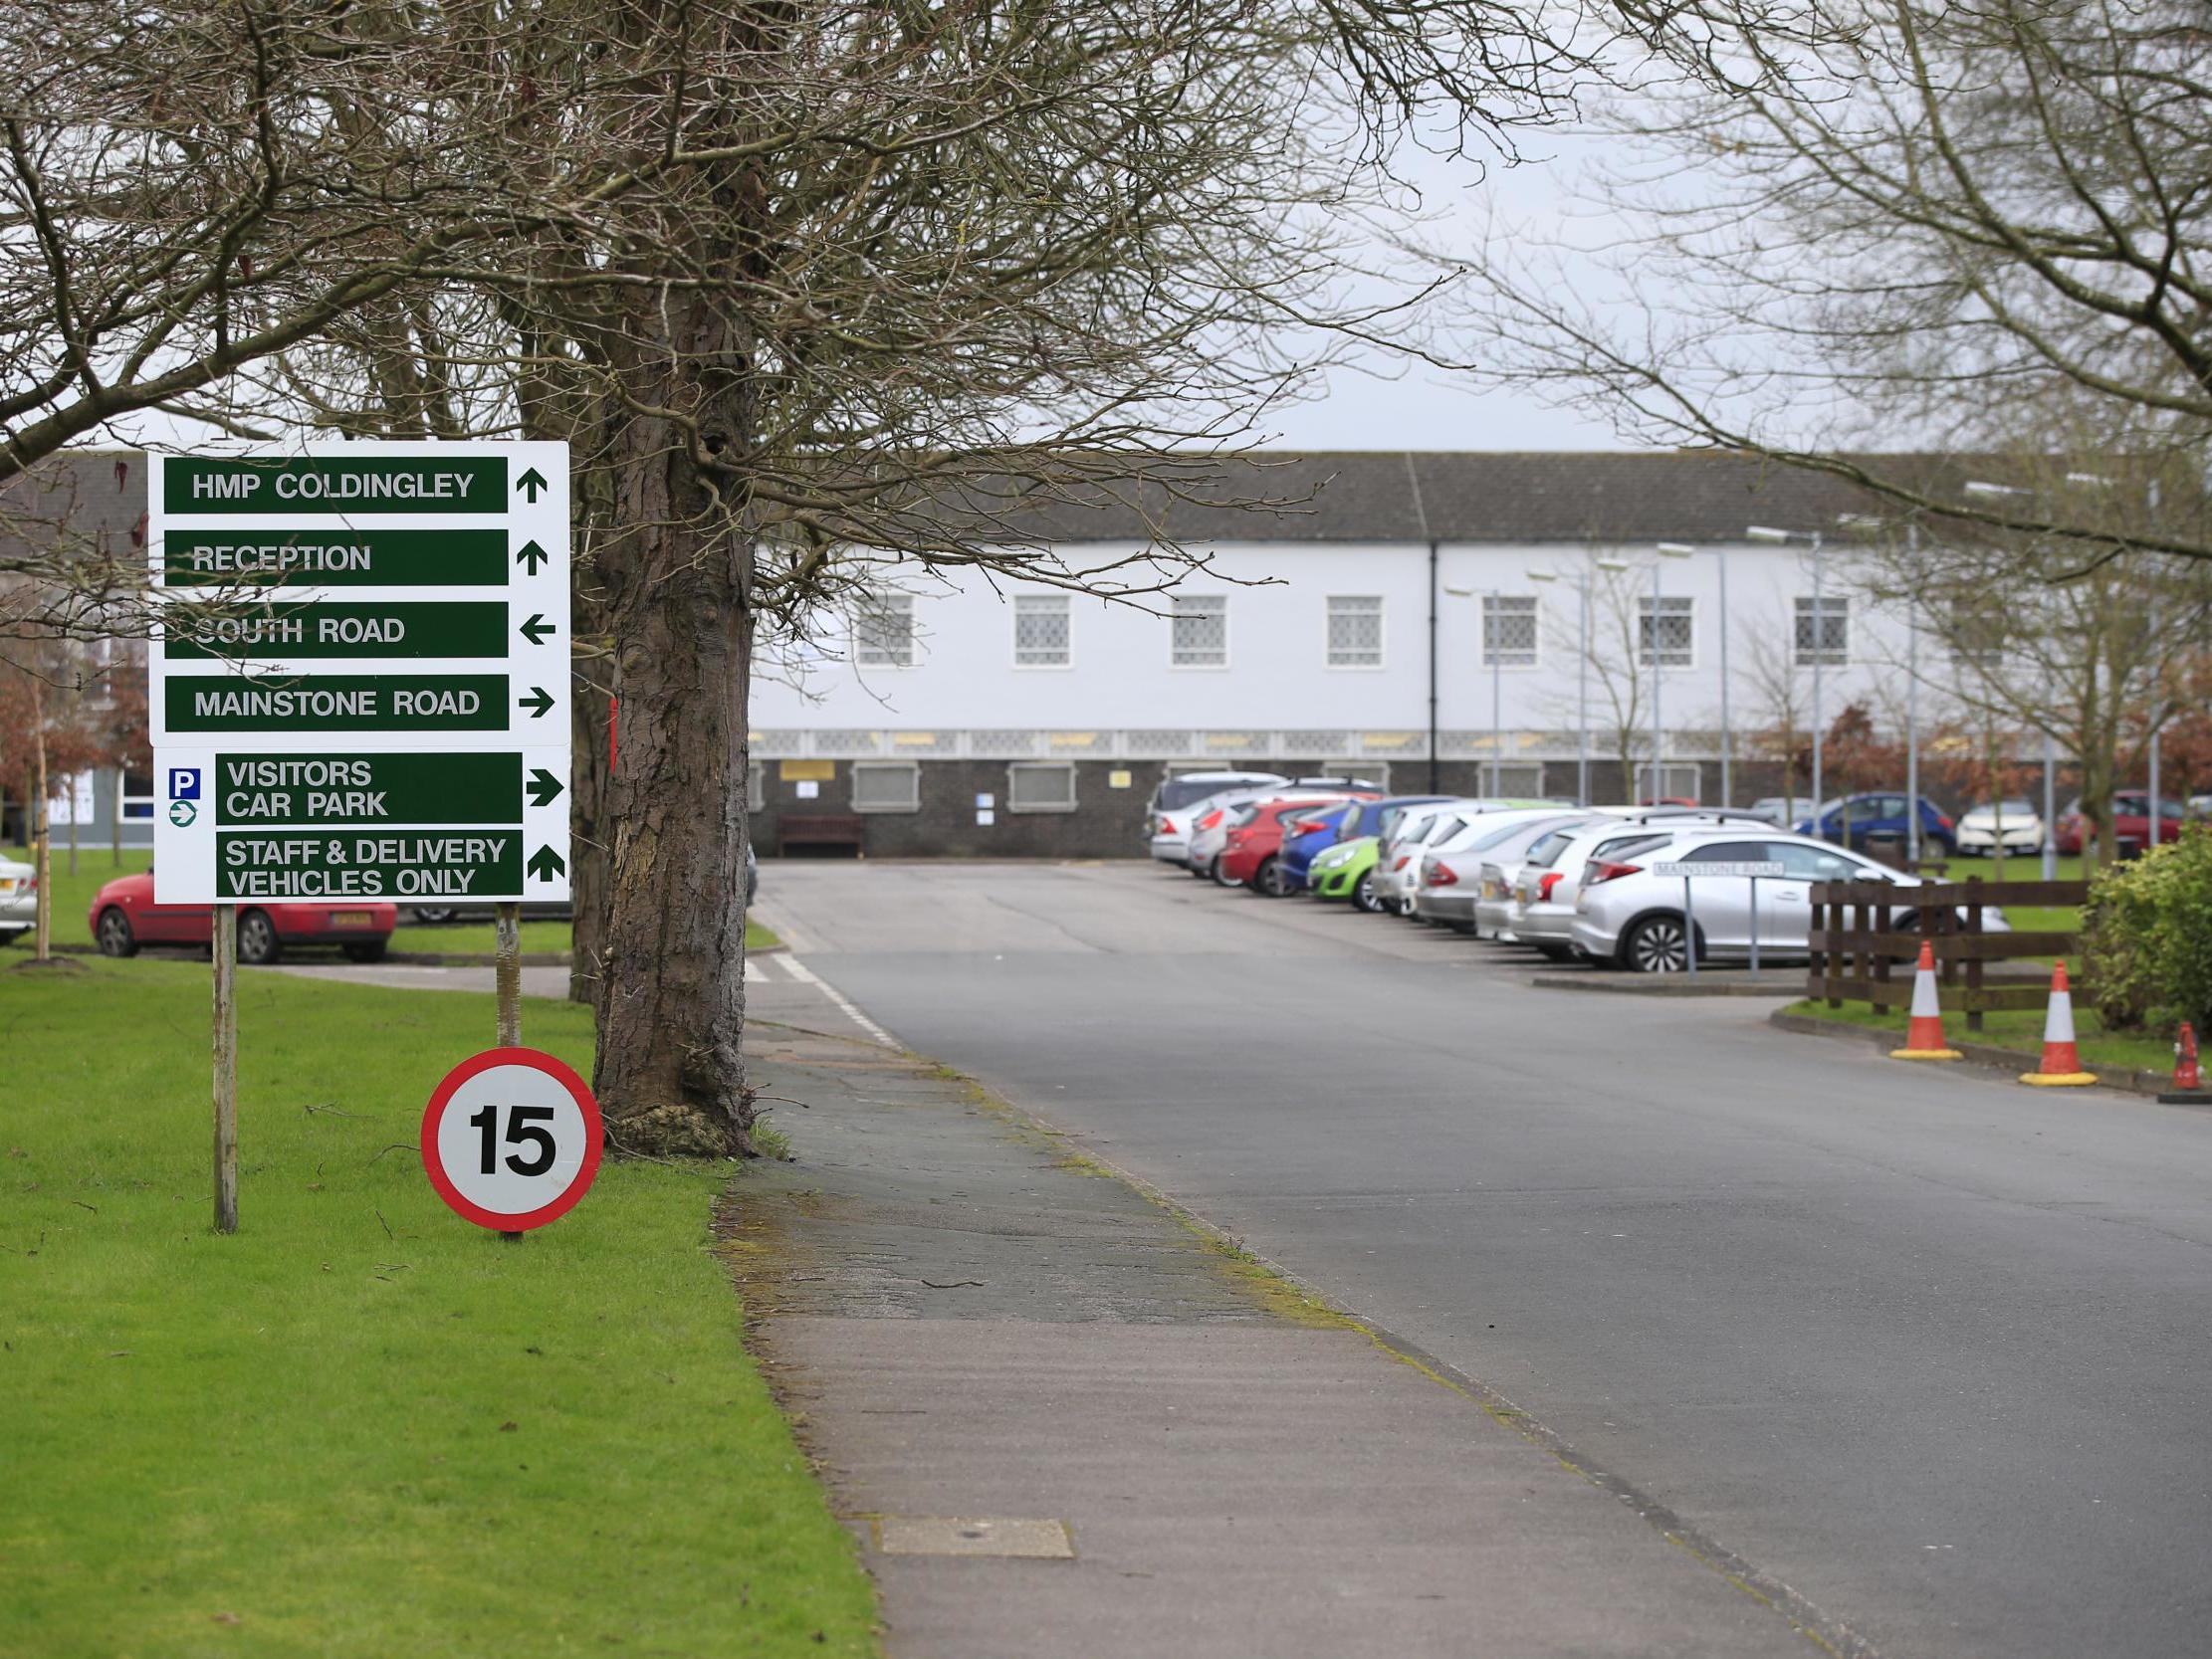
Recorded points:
(1926, 1346)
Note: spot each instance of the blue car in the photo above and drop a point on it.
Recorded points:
(1345, 823)
(1881, 813)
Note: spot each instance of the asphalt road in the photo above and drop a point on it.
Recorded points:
(1929, 1347)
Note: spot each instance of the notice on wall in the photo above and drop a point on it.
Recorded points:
(806, 789)
(986, 817)
(1118, 779)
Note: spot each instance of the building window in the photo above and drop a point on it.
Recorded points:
(883, 631)
(1040, 631)
(1830, 641)
(1675, 629)
(1512, 780)
(1041, 786)
(1200, 631)
(137, 796)
(755, 787)
(1355, 630)
(886, 787)
(1508, 630)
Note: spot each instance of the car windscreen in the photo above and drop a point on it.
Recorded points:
(1546, 848)
(1503, 833)
(2011, 809)
(1626, 846)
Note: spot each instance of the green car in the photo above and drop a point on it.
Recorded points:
(1342, 871)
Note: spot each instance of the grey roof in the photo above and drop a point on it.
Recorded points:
(1297, 495)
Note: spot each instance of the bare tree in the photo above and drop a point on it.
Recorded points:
(1611, 660)
(1911, 222)
(1780, 707)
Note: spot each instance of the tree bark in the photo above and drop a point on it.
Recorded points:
(669, 1076)
(589, 826)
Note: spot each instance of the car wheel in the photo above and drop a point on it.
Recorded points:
(1222, 877)
(1268, 879)
(1656, 946)
(1363, 896)
(113, 933)
(435, 915)
(367, 950)
(257, 938)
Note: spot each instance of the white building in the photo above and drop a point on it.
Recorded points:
(1419, 622)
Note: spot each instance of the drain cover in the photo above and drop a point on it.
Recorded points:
(941, 1535)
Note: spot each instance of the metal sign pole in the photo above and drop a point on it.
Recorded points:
(1754, 926)
(1690, 931)
(507, 975)
(225, 1050)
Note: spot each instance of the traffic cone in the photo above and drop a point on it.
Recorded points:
(2188, 1081)
(2061, 1064)
(1924, 1038)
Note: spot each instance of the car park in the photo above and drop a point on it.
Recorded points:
(2131, 817)
(1854, 819)
(1448, 885)
(18, 898)
(123, 916)
(1627, 914)
(2000, 826)
(1398, 857)
(1348, 823)
(1216, 818)
(1497, 910)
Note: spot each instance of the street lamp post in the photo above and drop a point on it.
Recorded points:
(1497, 681)
(1768, 534)
(1666, 550)
(1582, 687)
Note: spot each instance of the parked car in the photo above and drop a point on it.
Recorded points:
(1398, 858)
(1346, 870)
(1552, 872)
(2130, 820)
(1782, 811)
(1252, 854)
(123, 916)
(1216, 818)
(1497, 910)
(1449, 882)
(18, 898)
(1347, 823)
(1176, 800)
(1850, 820)
(2018, 821)
(1628, 915)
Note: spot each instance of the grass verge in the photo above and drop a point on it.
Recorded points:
(362, 1426)
(2020, 1028)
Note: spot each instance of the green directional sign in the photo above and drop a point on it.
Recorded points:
(368, 484)
(338, 702)
(343, 558)
(359, 864)
(340, 628)
(339, 789)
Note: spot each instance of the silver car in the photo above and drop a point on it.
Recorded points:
(1168, 823)
(1544, 892)
(1627, 914)
(1450, 889)
(1497, 910)
(19, 899)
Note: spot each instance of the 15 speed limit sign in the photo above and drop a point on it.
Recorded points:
(510, 1139)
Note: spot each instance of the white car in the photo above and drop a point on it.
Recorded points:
(1168, 825)
(19, 899)
(1398, 853)
(2016, 821)
(1628, 915)
(1498, 912)
(1450, 867)
(1183, 834)
(1544, 892)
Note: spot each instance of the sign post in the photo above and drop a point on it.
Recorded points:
(1692, 870)
(360, 687)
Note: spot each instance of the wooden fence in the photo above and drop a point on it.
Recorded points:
(1859, 955)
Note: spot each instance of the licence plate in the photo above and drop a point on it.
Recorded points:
(350, 918)
(7, 884)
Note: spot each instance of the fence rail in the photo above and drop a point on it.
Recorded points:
(1858, 943)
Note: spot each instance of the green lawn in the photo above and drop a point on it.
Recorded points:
(2021, 1029)
(96, 866)
(362, 1426)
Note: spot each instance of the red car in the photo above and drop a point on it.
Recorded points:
(124, 916)
(1250, 857)
(2130, 820)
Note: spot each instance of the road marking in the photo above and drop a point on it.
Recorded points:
(805, 975)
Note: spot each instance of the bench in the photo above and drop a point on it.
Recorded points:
(819, 832)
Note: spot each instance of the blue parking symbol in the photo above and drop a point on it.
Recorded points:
(184, 783)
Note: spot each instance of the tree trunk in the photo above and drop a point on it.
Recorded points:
(41, 860)
(669, 1076)
(589, 825)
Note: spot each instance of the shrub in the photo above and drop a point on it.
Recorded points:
(2146, 936)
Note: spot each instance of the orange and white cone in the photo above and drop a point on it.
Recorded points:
(1924, 1038)
(2062, 1063)
(2188, 1079)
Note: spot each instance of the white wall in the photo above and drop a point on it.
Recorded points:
(1277, 679)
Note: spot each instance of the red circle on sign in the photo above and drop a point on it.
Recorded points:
(433, 1116)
